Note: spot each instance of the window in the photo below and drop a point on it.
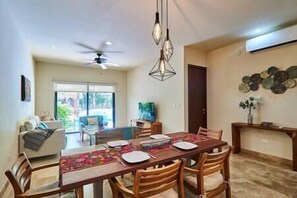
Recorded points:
(73, 100)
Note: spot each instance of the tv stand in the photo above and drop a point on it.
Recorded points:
(155, 127)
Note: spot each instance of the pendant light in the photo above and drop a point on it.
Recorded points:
(162, 70)
(167, 46)
(157, 29)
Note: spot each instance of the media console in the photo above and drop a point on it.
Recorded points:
(291, 132)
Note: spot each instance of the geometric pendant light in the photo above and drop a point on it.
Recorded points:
(157, 29)
(167, 46)
(162, 70)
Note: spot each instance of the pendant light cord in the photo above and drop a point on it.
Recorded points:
(157, 2)
(167, 13)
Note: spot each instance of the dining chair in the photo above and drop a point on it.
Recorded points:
(215, 134)
(111, 135)
(211, 176)
(158, 182)
(141, 132)
(20, 175)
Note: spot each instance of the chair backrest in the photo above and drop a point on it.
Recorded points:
(155, 181)
(210, 163)
(141, 132)
(111, 135)
(215, 134)
(20, 174)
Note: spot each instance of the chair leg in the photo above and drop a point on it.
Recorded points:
(79, 192)
(228, 192)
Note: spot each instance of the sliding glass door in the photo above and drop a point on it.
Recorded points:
(75, 100)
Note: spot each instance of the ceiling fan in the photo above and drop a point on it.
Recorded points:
(100, 59)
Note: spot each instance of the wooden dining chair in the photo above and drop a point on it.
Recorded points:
(111, 135)
(141, 132)
(158, 182)
(215, 134)
(20, 178)
(211, 176)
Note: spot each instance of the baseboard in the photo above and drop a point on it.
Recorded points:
(3, 190)
(276, 160)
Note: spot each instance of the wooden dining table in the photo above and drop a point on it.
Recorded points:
(96, 174)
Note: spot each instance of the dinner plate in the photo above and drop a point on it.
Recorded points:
(117, 143)
(185, 145)
(135, 156)
(159, 136)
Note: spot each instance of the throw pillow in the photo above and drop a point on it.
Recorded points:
(42, 125)
(92, 120)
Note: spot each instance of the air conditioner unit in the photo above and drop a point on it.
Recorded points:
(277, 38)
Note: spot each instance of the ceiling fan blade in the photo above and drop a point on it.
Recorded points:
(112, 64)
(86, 46)
(110, 51)
(103, 66)
(91, 51)
(90, 63)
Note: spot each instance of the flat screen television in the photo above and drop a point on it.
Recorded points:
(147, 111)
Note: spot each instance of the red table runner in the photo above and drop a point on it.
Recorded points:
(99, 157)
(85, 160)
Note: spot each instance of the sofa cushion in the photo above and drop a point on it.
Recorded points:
(42, 125)
(92, 121)
(30, 125)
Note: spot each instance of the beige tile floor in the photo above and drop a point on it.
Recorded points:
(251, 177)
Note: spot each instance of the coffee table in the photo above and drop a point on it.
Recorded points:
(90, 131)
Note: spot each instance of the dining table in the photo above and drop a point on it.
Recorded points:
(89, 164)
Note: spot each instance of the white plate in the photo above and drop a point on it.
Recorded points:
(159, 136)
(185, 145)
(117, 143)
(135, 156)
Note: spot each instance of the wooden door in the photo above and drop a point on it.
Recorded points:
(197, 112)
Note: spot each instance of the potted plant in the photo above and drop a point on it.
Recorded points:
(249, 104)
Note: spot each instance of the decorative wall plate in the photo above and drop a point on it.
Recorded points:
(292, 72)
(254, 86)
(246, 79)
(278, 88)
(244, 88)
(264, 74)
(256, 79)
(290, 83)
(271, 70)
(280, 76)
(267, 83)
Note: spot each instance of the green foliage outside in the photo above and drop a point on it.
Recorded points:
(64, 113)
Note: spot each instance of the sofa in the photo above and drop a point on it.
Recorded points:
(52, 145)
(127, 132)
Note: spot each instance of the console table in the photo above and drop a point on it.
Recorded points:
(291, 132)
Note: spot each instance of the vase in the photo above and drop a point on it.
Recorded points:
(250, 118)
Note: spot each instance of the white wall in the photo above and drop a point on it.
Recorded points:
(226, 67)
(167, 95)
(15, 61)
(46, 73)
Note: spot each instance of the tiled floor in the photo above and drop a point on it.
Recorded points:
(251, 177)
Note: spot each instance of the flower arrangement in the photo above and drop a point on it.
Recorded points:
(248, 104)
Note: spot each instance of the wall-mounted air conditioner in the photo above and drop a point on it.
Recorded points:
(273, 39)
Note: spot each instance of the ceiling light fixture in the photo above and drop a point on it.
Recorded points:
(108, 43)
(157, 29)
(162, 70)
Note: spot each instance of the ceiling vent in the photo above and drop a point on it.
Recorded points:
(274, 39)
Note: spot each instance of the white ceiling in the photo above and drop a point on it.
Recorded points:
(52, 27)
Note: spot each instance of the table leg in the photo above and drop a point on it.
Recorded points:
(98, 189)
(294, 145)
(236, 139)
